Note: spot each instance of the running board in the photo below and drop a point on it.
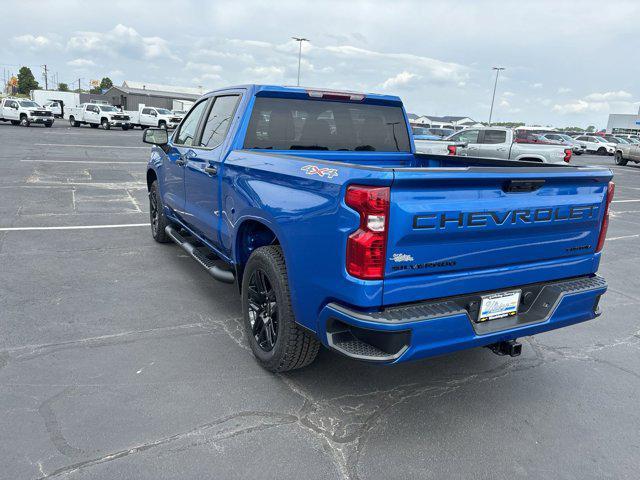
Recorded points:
(203, 258)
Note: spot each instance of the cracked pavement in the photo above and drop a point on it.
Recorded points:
(122, 358)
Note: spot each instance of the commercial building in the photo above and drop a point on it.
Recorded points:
(132, 94)
(623, 123)
(448, 121)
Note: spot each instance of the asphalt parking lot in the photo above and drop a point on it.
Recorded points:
(122, 358)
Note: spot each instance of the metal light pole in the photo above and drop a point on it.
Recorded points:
(497, 69)
(300, 40)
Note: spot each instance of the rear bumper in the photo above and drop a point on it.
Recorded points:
(426, 329)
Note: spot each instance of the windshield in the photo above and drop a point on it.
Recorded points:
(621, 140)
(443, 132)
(290, 124)
(566, 138)
(28, 104)
(420, 131)
(163, 111)
(600, 140)
(108, 108)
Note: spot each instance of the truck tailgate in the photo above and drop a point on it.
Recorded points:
(477, 229)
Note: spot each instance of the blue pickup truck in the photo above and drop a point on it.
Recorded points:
(338, 233)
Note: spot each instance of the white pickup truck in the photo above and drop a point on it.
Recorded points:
(495, 142)
(153, 117)
(24, 112)
(96, 115)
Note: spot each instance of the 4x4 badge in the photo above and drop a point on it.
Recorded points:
(323, 172)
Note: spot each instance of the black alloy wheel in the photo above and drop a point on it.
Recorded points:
(263, 310)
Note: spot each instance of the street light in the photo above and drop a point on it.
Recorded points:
(498, 70)
(300, 40)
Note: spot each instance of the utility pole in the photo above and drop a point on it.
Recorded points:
(495, 85)
(46, 78)
(79, 85)
(300, 40)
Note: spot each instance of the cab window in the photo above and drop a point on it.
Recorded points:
(218, 121)
(467, 136)
(494, 136)
(188, 129)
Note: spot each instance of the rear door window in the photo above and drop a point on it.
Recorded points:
(494, 136)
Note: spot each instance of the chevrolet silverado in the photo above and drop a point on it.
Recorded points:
(338, 233)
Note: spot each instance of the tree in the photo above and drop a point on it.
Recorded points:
(26, 81)
(63, 87)
(591, 128)
(105, 84)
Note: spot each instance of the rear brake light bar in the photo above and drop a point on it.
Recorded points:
(452, 149)
(367, 246)
(331, 95)
(605, 220)
(567, 154)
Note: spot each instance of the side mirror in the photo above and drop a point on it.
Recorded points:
(156, 136)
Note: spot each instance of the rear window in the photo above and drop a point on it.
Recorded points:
(290, 124)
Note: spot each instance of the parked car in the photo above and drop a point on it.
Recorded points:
(627, 152)
(23, 112)
(496, 142)
(563, 139)
(153, 117)
(96, 115)
(55, 107)
(421, 133)
(596, 144)
(337, 233)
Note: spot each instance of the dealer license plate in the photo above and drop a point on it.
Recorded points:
(499, 305)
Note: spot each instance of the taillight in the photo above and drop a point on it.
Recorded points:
(367, 246)
(567, 154)
(605, 220)
(452, 149)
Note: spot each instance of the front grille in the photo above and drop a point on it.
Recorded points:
(120, 117)
(38, 113)
(175, 120)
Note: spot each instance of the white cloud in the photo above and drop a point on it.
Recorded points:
(580, 106)
(32, 42)
(504, 103)
(121, 40)
(402, 79)
(430, 69)
(562, 90)
(607, 96)
(81, 62)
(266, 74)
(508, 94)
(203, 67)
(536, 85)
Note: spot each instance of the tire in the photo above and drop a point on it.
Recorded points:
(619, 160)
(94, 125)
(105, 124)
(162, 125)
(125, 128)
(268, 314)
(73, 123)
(24, 121)
(601, 151)
(156, 215)
(48, 125)
(15, 122)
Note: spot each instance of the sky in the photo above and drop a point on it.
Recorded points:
(568, 63)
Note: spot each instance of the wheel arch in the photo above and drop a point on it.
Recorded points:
(251, 234)
(152, 176)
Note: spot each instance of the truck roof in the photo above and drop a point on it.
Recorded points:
(305, 92)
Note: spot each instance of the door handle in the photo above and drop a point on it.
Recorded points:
(181, 162)
(211, 170)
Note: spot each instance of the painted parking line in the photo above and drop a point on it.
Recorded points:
(72, 227)
(626, 201)
(623, 237)
(84, 146)
(83, 161)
